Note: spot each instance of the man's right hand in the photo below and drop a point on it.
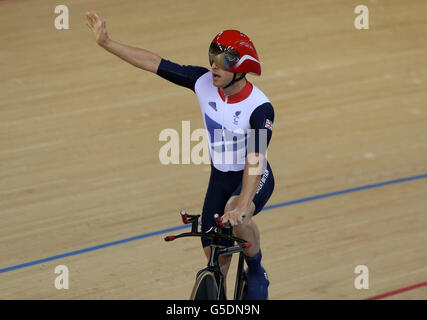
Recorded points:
(138, 57)
(97, 26)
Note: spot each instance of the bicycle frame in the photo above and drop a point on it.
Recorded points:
(216, 250)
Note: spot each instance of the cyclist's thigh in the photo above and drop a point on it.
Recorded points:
(215, 201)
(264, 191)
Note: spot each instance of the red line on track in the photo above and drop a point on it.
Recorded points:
(392, 293)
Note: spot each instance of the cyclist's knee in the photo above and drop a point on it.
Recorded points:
(231, 203)
(247, 222)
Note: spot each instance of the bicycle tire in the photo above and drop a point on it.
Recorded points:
(206, 287)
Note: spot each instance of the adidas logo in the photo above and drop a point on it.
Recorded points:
(213, 105)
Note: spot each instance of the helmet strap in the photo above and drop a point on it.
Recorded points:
(235, 80)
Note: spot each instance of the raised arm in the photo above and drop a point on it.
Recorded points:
(138, 57)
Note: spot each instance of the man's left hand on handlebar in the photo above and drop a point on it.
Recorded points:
(233, 217)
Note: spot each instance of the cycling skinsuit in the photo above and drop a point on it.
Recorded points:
(235, 124)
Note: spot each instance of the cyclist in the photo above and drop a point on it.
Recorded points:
(239, 121)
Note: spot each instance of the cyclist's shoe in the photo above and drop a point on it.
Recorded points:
(257, 285)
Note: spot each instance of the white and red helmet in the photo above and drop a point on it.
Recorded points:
(233, 51)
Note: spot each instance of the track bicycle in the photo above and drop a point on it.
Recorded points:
(209, 283)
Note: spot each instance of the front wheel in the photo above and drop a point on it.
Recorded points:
(206, 287)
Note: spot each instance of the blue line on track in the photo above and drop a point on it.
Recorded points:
(156, 233)
(336, 193)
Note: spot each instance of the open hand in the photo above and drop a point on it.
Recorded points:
(98, 27)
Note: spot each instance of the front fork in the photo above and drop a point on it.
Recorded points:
(214, 265)
(239, 276)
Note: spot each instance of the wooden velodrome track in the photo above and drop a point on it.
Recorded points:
(79, 148)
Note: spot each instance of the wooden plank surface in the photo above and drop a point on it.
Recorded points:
(79, 147)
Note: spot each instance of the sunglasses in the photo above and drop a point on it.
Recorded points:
(223, 56)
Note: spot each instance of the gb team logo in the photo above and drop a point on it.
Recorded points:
(269, 124)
